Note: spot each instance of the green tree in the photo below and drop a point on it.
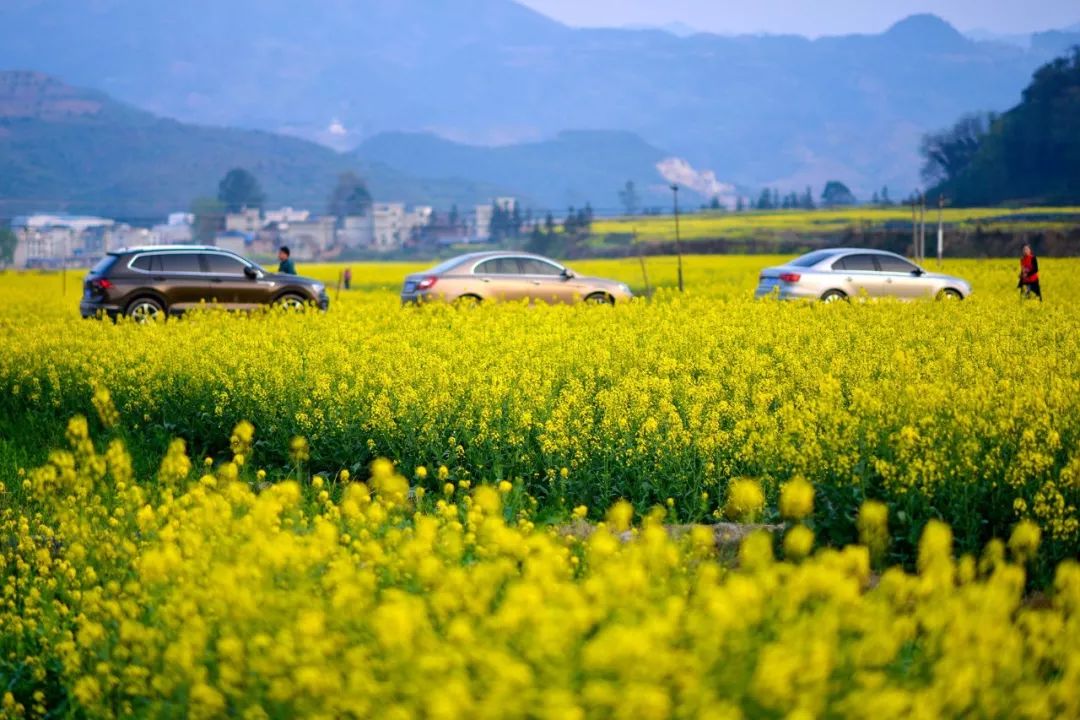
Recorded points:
(209, 219)
(628, 196)
(240, 189)
(948, 153)
(836, 194)
(1032, 152)
(806, 202)
(765, 200)
(349, 198)
(8, 241)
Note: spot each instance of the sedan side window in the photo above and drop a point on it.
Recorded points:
(532, 266)
(892, 264)
(859, 263)
(498, 266)
(839, 265)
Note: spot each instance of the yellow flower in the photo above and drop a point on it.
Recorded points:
(796, 499)
(1024, 541)
(873, 526)
(299, 450)
(798, 542)
(620, 515)
(745, 500)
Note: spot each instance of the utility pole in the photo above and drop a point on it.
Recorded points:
(678, 240)
(940, 229)
(915, 230)
(922, 226)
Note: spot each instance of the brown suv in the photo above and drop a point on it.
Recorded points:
(149, 281)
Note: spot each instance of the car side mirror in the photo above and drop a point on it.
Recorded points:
(918, 272)
(251, 272)
(568, 274)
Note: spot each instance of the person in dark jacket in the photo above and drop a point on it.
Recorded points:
(1029, 274)
(286, 265)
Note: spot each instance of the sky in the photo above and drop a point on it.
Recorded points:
(821, 17)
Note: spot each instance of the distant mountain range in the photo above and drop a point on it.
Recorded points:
(73, 150)
(782, 111)
(573, 169)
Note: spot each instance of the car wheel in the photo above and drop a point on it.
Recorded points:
(145, 310)
(468, 301)
(291, 302)
(833, 296)
(949, 294)
(600, 298)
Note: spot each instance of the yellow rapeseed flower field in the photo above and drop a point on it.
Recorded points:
(236, 542)
(205, 596)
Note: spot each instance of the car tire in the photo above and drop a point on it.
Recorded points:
(468, 301)
(599, 298)
(950, 294)
(291, 302)
(145, 309)
(834, 296)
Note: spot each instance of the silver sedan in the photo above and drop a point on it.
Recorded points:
(839, 274)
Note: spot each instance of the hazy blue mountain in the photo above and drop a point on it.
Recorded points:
(570, 170)
(778, 110)
(67, 149)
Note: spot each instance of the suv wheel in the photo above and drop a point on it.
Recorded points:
(145, 310)
(291, 302)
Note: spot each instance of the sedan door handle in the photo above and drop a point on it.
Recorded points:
(535, 282)
(888, 280)
(159, 278)
(850, 280)
(485, 280)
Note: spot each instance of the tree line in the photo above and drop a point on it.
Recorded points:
(240, 190)
(1030, 154)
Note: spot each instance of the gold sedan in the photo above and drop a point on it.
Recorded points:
(513, 276)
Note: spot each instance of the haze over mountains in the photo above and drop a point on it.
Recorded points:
(781, 111)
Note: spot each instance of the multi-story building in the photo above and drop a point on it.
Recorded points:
(246, 221)
(286, 215)
(50, 240)
(357, 231)
(309, 239)
(388, 221)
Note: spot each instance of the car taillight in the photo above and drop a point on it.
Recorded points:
(101, 284)
(790, 277)
(427, 283)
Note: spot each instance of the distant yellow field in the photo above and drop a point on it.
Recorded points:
(776, 223)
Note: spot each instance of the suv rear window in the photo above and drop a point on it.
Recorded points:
(104, 265)
(147, 263)
(180, 263)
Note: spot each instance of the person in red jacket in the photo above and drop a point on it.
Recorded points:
(1029, 274)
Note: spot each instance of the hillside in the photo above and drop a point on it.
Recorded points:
(777, 110)
(64, 148)
(1031, 153)
(570, 170)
